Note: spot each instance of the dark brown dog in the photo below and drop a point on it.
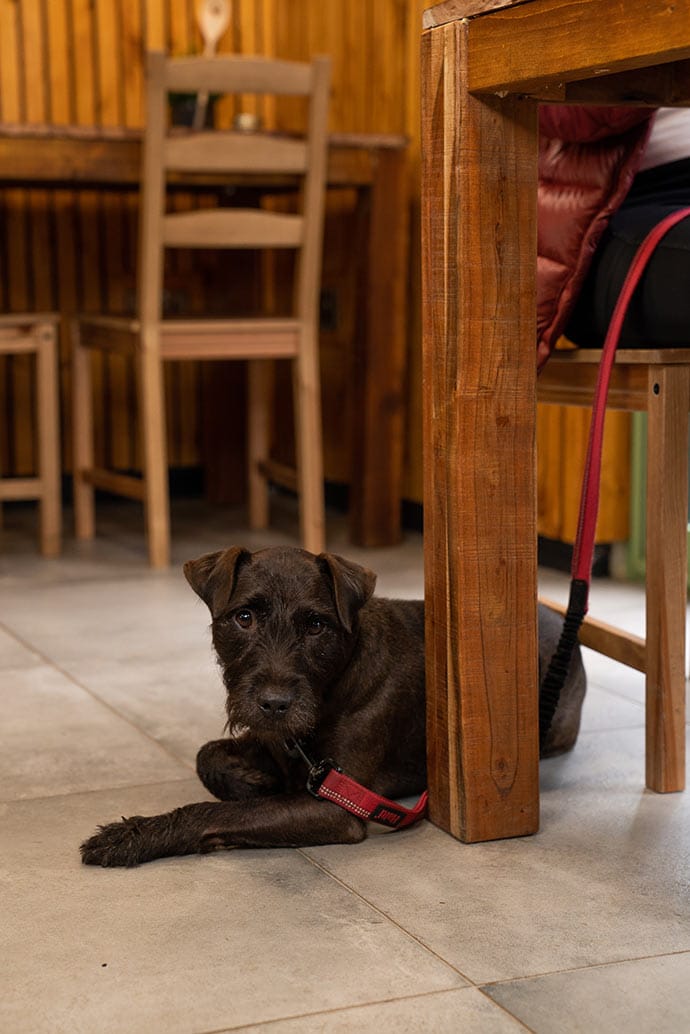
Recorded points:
(307, 654)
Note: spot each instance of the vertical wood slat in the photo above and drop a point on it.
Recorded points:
(32, 58)
(480, 558)
(61, 98)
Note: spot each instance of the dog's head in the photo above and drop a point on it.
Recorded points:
(284, 627)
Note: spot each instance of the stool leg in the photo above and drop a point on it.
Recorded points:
(666, 577)
(307, 402)
(48, 439)
(82, 437)
(259, 396)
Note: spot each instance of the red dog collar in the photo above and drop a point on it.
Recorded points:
(327, 781)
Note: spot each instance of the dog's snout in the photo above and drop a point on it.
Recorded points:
(275, 702)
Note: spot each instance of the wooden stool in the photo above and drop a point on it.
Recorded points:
(21, 335)
(657, 382)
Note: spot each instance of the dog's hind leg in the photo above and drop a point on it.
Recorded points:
(237, 770)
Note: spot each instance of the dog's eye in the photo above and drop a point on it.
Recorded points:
(315, 625)
(244, 618)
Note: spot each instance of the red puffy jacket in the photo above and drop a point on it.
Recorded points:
(588, 157)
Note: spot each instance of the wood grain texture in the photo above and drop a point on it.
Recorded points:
(479, 426)
(666, 575)
(547, 42)
(620, 646)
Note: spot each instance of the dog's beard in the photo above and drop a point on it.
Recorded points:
(298, 724)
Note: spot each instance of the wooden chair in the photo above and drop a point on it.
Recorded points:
(657, 382)
(150, 339)
(36, 335)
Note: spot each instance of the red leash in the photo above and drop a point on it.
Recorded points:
(327, 781)
(589, 498)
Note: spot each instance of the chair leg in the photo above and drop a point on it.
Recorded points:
(259, 400)
(82, 437)
(48, 440)
(666, 575)
(307, 402)
(152, 416)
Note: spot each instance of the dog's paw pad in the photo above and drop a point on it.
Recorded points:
(118, 843)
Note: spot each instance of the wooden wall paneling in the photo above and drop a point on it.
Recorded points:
(59, 65)
(83, 67)
(109, 78)
(562, 433)
(33, 57)
(183, 36)
(65, 206)
(15, 368)
(133, 28)
(413, 465)
(90, 299)
(153, 21)
(116, 367)
(5, 397)
(19, 299)
(11, 83)
(186, 292)
(549, 495)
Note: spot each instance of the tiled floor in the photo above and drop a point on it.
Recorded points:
(108, 689)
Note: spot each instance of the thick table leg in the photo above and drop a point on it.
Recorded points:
(666, 575)
(479, 248)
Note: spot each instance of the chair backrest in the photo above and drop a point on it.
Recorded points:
(248, 153)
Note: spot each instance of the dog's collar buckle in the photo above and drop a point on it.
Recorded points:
(318, 773)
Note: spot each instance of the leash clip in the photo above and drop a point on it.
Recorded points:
(317, 770)
(318, 773)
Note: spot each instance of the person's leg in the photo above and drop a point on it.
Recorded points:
(659, 312)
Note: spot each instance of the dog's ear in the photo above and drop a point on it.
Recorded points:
(352, 585)
(213, 576)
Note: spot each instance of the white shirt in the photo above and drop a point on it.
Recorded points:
(669, 140)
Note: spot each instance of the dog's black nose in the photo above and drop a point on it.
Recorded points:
(275, 702)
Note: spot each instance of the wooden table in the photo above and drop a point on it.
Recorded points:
(372, 165)
(485, 65)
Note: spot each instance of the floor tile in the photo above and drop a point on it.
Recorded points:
(606, 710)
(605, 878)
(57, 739)
(447, 1012)
(184, 944)
(646, 996)
(14, 654)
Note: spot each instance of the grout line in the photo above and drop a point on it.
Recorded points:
(47, 661)
(344, 1008)
(583, 969)
(385, 915)
(507, 1011)
(96, 789)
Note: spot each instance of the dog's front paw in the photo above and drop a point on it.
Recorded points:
(120, 843)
